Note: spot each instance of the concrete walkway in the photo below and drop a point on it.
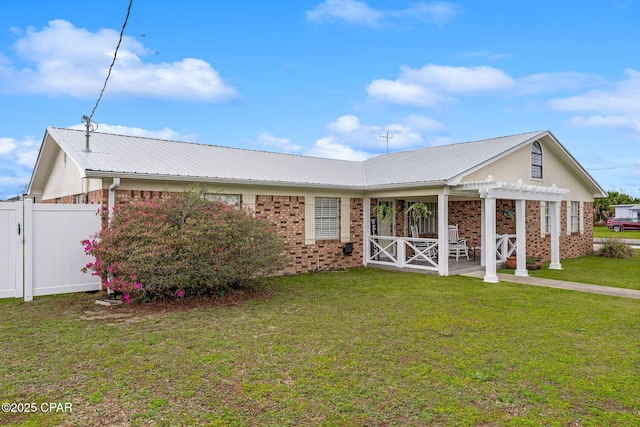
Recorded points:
(550, 283)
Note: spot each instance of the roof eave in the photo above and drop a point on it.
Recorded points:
(203, 179)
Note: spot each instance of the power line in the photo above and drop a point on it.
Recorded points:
(615, 167)
(126, 19)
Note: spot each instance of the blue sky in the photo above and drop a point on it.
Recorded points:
(327, 78)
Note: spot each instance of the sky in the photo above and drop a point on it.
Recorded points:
(326, 78)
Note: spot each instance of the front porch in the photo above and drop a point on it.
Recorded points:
(423, 254)
(496, 219)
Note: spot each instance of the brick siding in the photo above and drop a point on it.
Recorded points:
(286, 213)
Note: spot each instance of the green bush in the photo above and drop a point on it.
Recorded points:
(615, 248)
(183, 245)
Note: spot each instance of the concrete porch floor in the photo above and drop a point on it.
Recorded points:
(462, 266)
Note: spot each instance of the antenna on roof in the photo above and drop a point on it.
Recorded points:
(388, 136)
(90, 129)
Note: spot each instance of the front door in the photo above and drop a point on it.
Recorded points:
(386, 226)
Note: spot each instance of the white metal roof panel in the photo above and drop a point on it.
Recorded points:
(147, 157)
(442, 163)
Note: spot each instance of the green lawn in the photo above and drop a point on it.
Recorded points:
(364, 347)
(596, 270)
(603, 232)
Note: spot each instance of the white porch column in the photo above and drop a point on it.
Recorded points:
(366, 227)
(443, 236)
(483, 235)
(489, 231)
(554, 230)
(521, 238)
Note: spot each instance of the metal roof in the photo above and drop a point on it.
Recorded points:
(441, 164)
(133, 156)
(149, 158)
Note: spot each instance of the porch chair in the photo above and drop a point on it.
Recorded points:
(457, 245)
(421, 246)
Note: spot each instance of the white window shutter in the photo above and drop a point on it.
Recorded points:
(345, 219)
(309, 220)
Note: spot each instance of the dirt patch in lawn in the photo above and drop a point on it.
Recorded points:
(134, 313)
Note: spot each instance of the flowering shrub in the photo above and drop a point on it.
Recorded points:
(182, 245)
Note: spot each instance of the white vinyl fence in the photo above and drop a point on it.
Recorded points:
(41, 251)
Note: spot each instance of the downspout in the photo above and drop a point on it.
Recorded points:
(111, 204)
(112, 196)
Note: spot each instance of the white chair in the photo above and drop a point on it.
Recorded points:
(425, 248)
(457, 246)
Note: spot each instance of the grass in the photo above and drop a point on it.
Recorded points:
(600, 232)
(364, 347)
(595, 270)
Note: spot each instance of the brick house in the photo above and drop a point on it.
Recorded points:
(521, 193)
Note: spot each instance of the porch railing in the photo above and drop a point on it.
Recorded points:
(409, 252)
(505, 246)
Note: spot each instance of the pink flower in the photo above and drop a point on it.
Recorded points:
(180, 293)
(137, 285)
(109, 268)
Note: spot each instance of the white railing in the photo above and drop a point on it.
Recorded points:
(403, 252)
(505, 246)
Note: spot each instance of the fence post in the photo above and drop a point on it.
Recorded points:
(27, 249)
(19, 265)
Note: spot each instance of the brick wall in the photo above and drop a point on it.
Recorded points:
(467, 215)
(286, 213)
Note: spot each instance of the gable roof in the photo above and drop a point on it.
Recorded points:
(442, 164)
(148, 158)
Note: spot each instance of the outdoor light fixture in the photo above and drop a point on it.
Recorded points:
(347, 249)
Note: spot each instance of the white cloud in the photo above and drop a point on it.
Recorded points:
(18, 159)
(349, 139)
(7, 145)
(458, 79)
(403, 93)
(623, 97)
(350, 11)
(165, 133)
(423, 123)
(267, 139)
(617, 107)
(432, 84)
(20, 152)
(619, 122)
(488, 54)
(432, 12)
(328, 147)
(360, 13)
(554, 82)
(71, 61)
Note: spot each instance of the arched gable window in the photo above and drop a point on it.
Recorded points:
(536, 160)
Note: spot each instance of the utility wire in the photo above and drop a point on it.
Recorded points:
(614, 167)
(126, 19)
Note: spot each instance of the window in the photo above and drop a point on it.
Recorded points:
(227, 199)
(426, 225)
(575, 216)
(536, 160)
(547, 218)
(327, 218)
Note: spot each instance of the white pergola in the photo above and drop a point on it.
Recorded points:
(490, 191)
